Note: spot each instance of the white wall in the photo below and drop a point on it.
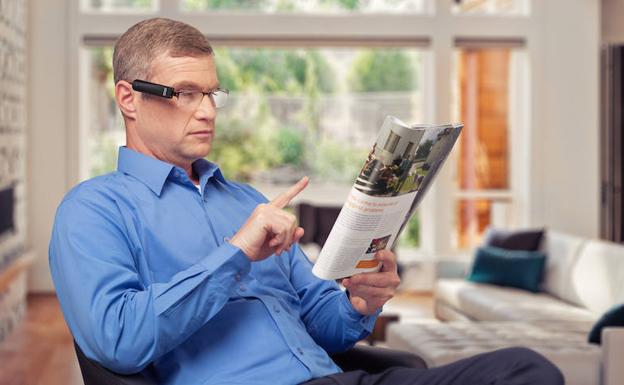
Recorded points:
(613, 21)
(48, 137)
(566, 129)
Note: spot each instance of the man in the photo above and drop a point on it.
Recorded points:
(165, 267)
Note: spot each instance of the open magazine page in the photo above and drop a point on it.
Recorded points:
(397, 172)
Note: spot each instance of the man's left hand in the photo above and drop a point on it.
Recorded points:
(369, 291)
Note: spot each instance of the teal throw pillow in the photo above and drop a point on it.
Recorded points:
(514, 268)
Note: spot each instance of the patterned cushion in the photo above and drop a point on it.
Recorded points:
(564, 343)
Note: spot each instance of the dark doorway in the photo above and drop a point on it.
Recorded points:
(612, 143)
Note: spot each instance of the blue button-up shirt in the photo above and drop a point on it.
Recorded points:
(148, 282)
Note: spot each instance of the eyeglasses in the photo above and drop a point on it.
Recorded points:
(185, 99)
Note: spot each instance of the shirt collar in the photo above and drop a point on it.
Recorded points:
(206, 170)
(153, 172)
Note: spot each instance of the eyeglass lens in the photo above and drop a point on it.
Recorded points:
(192, 99)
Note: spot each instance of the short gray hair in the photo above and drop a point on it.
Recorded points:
(144, 41)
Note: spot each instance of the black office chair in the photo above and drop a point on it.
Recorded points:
(368, 358)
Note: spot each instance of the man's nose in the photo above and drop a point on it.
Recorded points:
(206, 108)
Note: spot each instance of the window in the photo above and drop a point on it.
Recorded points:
(486, 79)
(291, 112)
(312, 81)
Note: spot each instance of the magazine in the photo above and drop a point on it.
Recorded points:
(399, 169)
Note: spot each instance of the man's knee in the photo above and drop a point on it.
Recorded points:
(535, 362)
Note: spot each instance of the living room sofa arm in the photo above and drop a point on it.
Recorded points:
(612, 353)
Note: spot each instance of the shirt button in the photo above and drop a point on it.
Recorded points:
(237, 277)
(243, 288)
(276, 308)
(300, 351)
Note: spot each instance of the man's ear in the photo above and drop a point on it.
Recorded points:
(126, 99)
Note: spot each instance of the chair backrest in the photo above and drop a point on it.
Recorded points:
(317, 221)
(95, 374)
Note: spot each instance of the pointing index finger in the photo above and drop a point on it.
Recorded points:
(284, 198)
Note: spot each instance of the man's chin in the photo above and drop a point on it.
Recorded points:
(201, 151)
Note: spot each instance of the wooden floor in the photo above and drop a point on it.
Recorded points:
(41, 351)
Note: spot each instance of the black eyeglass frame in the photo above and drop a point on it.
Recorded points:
(165, 91)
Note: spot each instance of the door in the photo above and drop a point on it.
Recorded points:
(611, 143)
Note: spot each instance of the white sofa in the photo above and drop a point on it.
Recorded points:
(583, 279)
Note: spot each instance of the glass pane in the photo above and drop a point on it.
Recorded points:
(306, 6)
(491, 7)
(106, 128)
(473, 216)
(119, 5)
(290, 112)
(483, 86)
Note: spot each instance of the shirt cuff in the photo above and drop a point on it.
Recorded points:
(230, 257)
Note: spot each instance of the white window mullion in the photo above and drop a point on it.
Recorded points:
(519, 138)
(168, 8)
(437, 208)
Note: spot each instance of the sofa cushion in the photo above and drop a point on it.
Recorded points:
(485, 302)
(528, 240)
(597, 277)
(562, 251)
(613, 317)
(564, 343)
(514, 268)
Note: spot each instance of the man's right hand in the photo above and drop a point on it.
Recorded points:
(270, 229)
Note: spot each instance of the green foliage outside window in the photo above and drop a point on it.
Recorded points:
(274, 71)
(411, 233)
(263, 142)
(376, 70)
(291, 147)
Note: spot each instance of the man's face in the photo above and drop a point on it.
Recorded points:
(171, 132)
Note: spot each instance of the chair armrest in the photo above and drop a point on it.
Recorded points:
(612, 353)
(375, 359)
(95, 374)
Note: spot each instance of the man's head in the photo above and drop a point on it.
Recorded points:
(177, 55)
